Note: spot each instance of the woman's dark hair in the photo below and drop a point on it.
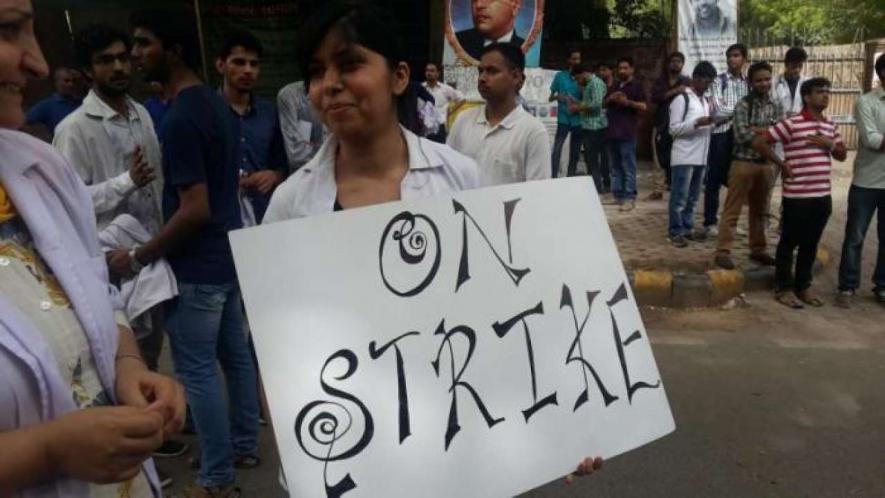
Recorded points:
(240, 38)
(173, 27)
(96, 38)
(756, 67)
(357, 23)
(704, 69)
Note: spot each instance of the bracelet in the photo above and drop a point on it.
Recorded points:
(132, 356)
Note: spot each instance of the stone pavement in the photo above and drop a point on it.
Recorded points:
(663, 275)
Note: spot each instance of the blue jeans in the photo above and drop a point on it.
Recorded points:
(205, 326)
(718, 166)
(622, 161)
(562, 132)
(685, 190)
(862, 204)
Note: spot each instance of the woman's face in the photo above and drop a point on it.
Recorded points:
(353, 88)
(20, 59)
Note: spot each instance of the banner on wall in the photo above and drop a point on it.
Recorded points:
(706, 29)
(472, 24)
(464, 345)
(272, 22)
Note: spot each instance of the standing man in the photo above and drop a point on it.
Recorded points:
(691, 122)
(751, 175)
(867, 194)
(443, 96)
(810, 140)
(205, 322)
(508, 143)
(625, 100)
(157, 105)
(728, 90)
(787, 86)
(50, 111)
(565, 90)
(670, 84)
(303, 131)
(110, 142)
(604, 72)
(594, 123)
(262, 156)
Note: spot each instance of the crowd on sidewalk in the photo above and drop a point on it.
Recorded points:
(115, 237)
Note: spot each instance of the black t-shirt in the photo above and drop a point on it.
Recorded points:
(198, 147)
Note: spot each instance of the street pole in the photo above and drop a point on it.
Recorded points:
(202, 40)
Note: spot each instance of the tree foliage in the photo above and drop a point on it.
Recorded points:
(804, 21)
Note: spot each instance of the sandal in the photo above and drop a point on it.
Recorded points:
(810, 299)
(789, 300)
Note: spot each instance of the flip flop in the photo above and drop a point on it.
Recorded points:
(810, 300)
(789, 300)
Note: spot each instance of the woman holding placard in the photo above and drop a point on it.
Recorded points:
(357, 80)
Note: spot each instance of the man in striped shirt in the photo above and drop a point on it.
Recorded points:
(810, 140)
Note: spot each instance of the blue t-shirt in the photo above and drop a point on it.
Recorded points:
(157, 109)
(260, 145)
(198, 147)
(564, 84)
(52, 110)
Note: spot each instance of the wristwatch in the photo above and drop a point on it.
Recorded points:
(134, 264)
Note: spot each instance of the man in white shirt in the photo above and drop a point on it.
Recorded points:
(111, 143)
(691, 125)
(443, 96)
(303, 131)
(508, 144)
(787, 86)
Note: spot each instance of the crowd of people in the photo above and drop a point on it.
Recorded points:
(116, 236)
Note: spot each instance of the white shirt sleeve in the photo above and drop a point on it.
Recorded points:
(296, 132)
(538, 165)
(107, 195)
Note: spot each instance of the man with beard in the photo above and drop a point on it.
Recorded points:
(262, 155)
(200, 206)
(111, 143)
(494, 21)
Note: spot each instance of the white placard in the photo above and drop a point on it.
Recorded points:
(706, 29)
(474, 345)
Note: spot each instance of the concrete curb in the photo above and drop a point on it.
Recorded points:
(665, 288)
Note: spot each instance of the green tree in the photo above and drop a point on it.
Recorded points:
(802, 21)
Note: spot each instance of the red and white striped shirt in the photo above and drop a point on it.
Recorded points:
(809, 164)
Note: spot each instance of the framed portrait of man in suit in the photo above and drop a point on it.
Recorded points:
(473, 24)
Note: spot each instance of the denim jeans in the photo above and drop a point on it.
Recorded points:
(685, 191)
(594, 156)
(622, 160)
(206, 327)
(718, 165)
(562, 132)
(862, 204)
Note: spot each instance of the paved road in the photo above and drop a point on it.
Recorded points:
(768, 402)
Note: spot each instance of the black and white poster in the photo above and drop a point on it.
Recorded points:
(706, 29)
(471, 345)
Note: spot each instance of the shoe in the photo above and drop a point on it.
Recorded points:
(711, 231)
(194, 491)
(610, 201)
(171, 449)
(880, 295)
(678, 241)
(165, 480)
(845, 298)
(696, 236)
(655, 196)
(724, 262)
(763, 259)
(628, 206)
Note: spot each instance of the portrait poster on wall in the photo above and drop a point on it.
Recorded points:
(472, 24)
(706, 29)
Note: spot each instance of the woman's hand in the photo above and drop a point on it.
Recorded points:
(102, 445)
(140, 388)
(585, 468)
